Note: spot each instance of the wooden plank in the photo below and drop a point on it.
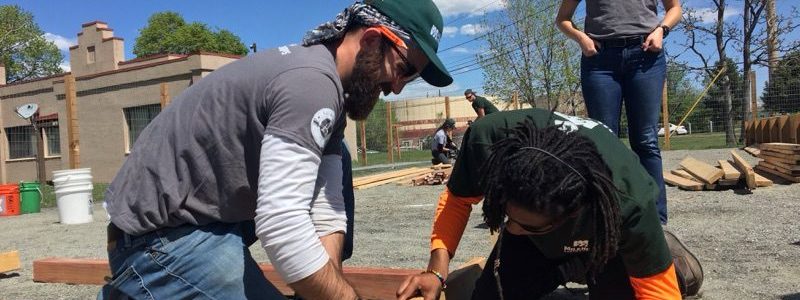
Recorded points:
(728, 182)
(781, 146)
(729, 171)
(703, 171)
(73, 133)
(779, 168)
(779, 174)
(794, 129)
(783, 129)
(746, 169)
(774, 133)
(461, 282)
(384, 176)
(370, 283)
(759, 130)
(682, 183)
(684, 174)
(762, 181)
(754, 151)
(390, 180)
(778, 157)
(782, 151)
(749, 134)
(779, 163)
(9, 261)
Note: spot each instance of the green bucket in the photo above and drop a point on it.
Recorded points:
(30, 197)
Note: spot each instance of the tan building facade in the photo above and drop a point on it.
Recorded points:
(417, 119)
(115, 99)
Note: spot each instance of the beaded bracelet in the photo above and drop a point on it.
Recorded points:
(438, 276)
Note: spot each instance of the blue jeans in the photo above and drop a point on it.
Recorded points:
(187, 262)
(630, 73)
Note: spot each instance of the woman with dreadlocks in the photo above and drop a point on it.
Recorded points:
(571, 203)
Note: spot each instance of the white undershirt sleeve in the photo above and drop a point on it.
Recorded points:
(287, 174)
(327, 210)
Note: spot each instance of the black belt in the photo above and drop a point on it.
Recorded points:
(114, 234)
(621, 42)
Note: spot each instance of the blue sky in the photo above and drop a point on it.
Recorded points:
(276, 23)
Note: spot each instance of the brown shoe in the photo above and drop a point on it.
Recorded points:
(687, 267)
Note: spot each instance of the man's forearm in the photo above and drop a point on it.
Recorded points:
(326, 283)
(333, 244)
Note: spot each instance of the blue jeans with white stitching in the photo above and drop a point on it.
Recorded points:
(187, 262)
(637, 76)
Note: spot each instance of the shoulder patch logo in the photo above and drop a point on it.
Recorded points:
(322, 126)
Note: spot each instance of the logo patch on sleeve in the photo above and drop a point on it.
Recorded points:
(322, 126)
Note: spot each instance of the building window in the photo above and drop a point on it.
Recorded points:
(21, 143)
(53, 141)
(137, 119)
(90, 55)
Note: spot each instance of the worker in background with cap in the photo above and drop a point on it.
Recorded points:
(481, 105)
(442, 144)
(251, 152)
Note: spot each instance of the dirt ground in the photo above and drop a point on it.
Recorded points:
(749, 244)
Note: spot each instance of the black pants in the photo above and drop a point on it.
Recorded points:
(526, 274)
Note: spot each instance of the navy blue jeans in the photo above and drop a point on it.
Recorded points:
(637, 76)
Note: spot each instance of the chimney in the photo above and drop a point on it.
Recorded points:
(2, 74)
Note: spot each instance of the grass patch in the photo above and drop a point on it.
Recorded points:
(696, 141)
(50, 196)
(406, 156)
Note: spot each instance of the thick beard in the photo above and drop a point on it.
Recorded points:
(363, 89)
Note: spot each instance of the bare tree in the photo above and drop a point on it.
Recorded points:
(722, 33)
(526, 53)
(760, 40)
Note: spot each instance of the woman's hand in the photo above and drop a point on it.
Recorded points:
(589, 46)
(654, 41)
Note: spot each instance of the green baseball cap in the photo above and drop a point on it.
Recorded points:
(422, 19)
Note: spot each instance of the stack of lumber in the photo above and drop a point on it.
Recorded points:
(433, 178)
(695, 175)
(374, 180)
(780, 159)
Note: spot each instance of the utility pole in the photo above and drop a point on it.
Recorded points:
(772, 37)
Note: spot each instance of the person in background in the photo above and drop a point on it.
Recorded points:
(442, 144)
(481, 105)
(622, 47)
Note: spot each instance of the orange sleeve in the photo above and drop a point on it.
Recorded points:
(661, 286)
(452, 214)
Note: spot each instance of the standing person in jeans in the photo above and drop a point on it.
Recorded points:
(623, 58)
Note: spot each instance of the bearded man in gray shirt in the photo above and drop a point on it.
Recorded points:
(254, 151)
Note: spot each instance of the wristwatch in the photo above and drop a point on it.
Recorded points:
(665, 28)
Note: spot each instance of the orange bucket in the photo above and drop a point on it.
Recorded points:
(9, 200)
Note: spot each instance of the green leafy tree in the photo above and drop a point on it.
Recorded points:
(782, 92)
(24, 51)
(168, 32)
(376, 128)
(526, 53)
(681, 94)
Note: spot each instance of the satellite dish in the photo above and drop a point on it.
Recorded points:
(26, 111)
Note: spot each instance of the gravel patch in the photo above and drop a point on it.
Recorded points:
(748, 243)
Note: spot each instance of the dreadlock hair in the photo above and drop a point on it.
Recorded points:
(538, 182)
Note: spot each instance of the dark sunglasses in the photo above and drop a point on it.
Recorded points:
(410, 72)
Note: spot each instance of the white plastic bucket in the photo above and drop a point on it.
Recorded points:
(73, 189)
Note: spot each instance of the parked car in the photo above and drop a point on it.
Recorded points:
(679, 130)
